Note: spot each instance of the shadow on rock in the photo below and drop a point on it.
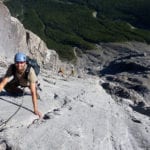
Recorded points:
(4, 93)
(116, 90)
(129, 83)
(141, 109)
(123, 66)
(11, 102)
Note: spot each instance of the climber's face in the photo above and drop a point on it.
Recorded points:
(20, 66)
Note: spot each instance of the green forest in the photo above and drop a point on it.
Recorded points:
(65, 24)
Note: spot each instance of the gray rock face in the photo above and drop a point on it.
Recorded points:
(125, 67)
(77, 115)
(12, 34)
(77, 112)
(14, 38)
(37, 48)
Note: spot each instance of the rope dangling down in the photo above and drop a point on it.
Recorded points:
(4, 123)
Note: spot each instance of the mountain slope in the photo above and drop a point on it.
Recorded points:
(79, 114)
(64, 24)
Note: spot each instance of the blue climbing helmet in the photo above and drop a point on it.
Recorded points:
(20, 57)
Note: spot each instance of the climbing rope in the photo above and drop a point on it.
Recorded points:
(4, 123)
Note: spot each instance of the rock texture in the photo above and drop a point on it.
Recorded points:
(125, 67)
(12, 34)
(37, 48)
(78, 114)
(15, 38)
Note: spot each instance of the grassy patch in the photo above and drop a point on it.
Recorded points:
(65, 24)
